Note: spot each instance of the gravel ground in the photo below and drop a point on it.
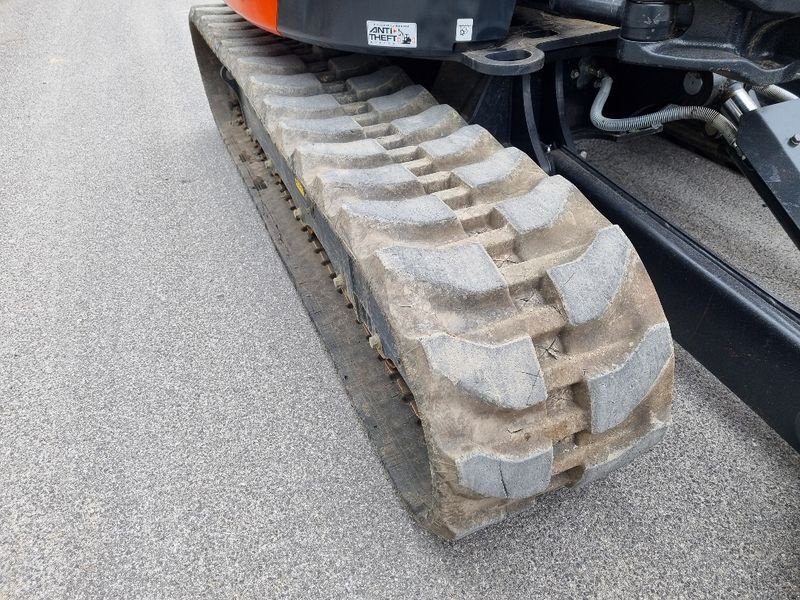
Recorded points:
(171, 427)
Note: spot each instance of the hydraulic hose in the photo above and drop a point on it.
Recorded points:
(776, 93)
(671, 113)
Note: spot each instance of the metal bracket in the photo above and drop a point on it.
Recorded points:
(523, 52)
(769, 138)
(752, 40)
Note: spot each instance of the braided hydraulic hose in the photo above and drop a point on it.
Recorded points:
(776, 93)
(671, 113)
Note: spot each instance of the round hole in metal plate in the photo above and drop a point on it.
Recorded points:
(505, 55)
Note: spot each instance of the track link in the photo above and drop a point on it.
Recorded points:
(521, 320)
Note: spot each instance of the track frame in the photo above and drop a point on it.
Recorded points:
(740, 332)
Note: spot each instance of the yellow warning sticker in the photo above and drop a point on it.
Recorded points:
(300, 188)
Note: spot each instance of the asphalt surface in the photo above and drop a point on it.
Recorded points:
(171, 427)
(711, 202)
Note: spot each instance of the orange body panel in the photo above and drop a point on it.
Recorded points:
(262, 13)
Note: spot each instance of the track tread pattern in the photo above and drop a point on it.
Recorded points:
(522, 321)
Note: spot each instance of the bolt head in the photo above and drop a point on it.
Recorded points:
(693, 83)
(795, 139)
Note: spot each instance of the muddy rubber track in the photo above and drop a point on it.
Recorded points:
(523, 323)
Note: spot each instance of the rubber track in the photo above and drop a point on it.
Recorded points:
(523, 322)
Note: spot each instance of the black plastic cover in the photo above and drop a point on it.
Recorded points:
(436, 24)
